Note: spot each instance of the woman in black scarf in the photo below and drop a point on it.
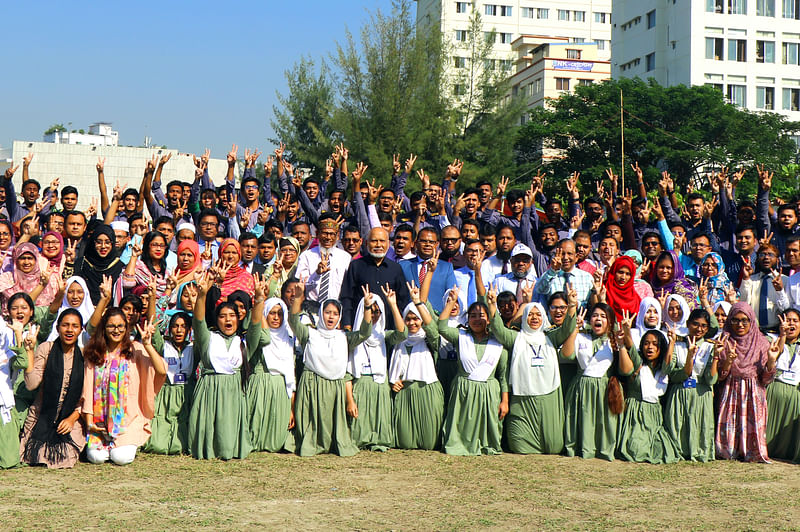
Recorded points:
(53, 434)
(101, 258)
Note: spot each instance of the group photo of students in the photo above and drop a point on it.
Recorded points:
(289, 313)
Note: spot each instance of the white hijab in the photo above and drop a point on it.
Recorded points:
(534, 336)
(680, 327)
(86, 308)
(411, 359)
(534, 360)
(641, 328)
(461, 318)
(326, 351)
(279, 352)
(371, 353)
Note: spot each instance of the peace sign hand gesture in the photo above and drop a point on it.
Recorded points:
(69, 251)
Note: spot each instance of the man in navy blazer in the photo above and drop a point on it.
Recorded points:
(443, 278)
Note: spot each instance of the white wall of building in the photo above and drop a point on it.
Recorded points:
(74, 164)
(679, 37)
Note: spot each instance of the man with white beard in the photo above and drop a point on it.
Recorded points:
(376, 271)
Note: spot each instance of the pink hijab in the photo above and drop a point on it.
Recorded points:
(17, 281)
(752, 349)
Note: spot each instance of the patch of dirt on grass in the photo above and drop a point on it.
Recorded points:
(408, 490)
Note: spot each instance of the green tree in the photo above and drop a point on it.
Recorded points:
(684, 130)
(55, 128)
(304, 119)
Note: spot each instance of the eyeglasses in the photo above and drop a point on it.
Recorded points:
(251, 187)
(740, 321)
(651, 243)
(157, 245)
(432, 242)
(110, 327)
(449, 239)
(208, 224)
(700, 245)
(768, 255)
(558, 308)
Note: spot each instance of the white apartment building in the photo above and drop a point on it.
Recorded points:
(577, 21)
(100, 134)
(749, 49)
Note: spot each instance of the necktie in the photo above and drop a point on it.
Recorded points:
(519, 290)
(472, 290)
(505, 268)
(763, 314)
(422, 271)
(324, 281)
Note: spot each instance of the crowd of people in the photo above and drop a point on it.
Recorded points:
(332, 315)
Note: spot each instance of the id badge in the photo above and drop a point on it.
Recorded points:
(180, 378)
(172, 361)
(537, 362)
(366, 369)
(691, 382)
(788, 375)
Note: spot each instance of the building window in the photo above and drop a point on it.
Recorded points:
(563, 14)
(538, 85)
(765, 98)
(578, 39)
(528, 12)
(765, 8)
(460, 62)
(790, 53)
(490, 37)
(585, 82)
(506, 38)
(602, 18)
(791, 9)
(714, 48)
(461, 35)
(562, 84)
(573, 54)
(489, 64)
(650, 62)
(765, 52)
(714, 6)
(601, 44)
(791, 99)
(505, 65)
(717, 86)
(505, 11)
(543, 13)
(651, 19)
(737, 95)
(462, 7)
(579, 16)
(737, 50)
(489, 9)
(737, 7)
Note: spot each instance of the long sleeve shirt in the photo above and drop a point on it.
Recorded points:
(365, 271)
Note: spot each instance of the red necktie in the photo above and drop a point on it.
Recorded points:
(422, 271)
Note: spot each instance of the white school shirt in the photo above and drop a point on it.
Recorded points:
(339, 261)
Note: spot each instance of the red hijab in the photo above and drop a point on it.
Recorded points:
(237, 277)
(188, 275)
(622, 297)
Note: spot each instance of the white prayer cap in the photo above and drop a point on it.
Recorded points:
(185, 225)
(120, 225)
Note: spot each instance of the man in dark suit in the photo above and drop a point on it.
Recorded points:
(415, 269)
(249, 244)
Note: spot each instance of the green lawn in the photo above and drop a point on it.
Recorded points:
(402, 491)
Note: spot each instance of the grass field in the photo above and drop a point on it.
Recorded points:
(402, 490)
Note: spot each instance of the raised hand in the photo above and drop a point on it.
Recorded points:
(396, 163)
(452, 295)
(10, 171)
(106, 288)
(147, 331)
(692, 347)
(662, 299)
(572, 185)
(324, 264)
(424, 178)
(410, 163)
(581, 318)
(165, 158)
(764, 177)
(501, 186)
(359, 171)
(231, 157)
(414, 291)
(627, 319)
(702, 291)
(391, 296)
(637, 171)
(454, 170)
(527, 292)
(367, 296)
(433, 261)
(557, 261)
(69, 251)
(26, 159)
(777, 281)
(572, 294)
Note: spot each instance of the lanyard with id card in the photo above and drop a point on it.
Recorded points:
(537, 361)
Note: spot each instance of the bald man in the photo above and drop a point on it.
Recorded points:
(375, 271)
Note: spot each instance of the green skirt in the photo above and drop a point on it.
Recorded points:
(23, 398)
(320, 417)
(472, 425)
(535, 423)
(783, 421)
(689, 420)
(418, 416)
(170, 425)
(372, 429)
(9, 443)
(270, 410)
(590, 429)
(218, 418)
(569, 372)
(642, 436)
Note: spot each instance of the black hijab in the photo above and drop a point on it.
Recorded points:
(94, 267)
(44, 433)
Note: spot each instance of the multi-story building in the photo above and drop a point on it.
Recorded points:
(748, 49)
(574, 20)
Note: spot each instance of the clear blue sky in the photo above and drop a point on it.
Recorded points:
(188, 74)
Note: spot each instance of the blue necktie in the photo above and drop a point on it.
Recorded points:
(763, 314)
(471, 289)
